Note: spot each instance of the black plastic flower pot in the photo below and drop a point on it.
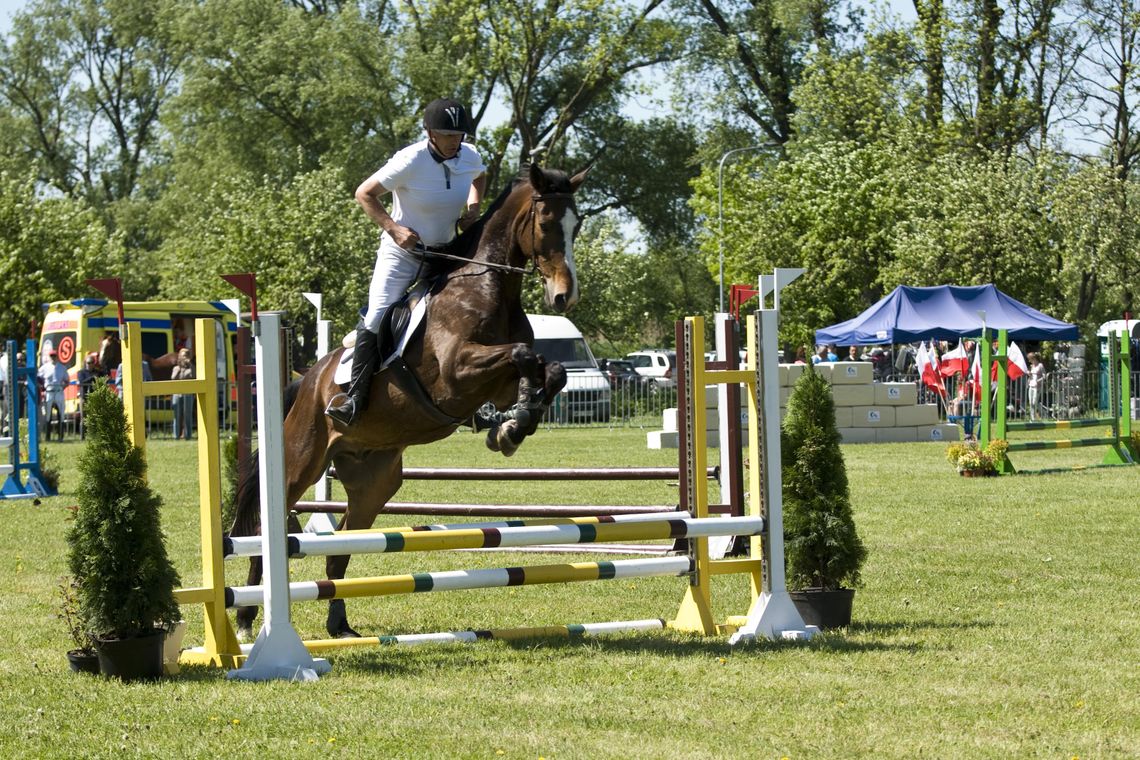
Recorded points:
(83, 661)
(826, 609)
(132, 659)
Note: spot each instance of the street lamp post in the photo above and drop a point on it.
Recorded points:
(720, 205)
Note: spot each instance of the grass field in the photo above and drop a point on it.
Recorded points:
(999, 617)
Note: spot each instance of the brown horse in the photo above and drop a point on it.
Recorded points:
(111, 356)
(476, 347)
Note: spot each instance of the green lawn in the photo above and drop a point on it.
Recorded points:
(999, 617)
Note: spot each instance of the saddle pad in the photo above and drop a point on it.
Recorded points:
(343, 374)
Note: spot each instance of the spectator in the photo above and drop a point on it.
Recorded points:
(801, 355)
(184, 406)
(853, 354)
(1036, 380)
(831, 355)
(53, 381)
(820, 355)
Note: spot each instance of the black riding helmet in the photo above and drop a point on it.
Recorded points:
(448, 114)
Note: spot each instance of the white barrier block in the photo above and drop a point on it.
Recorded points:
(945, 432)
(851, 373)
(873, 416)
(857, 435)
(662, 439)
(783, 374)
(895, 435)
(853, 395)
(913, 416)
(895, 394)
(823, 369)
(793, 372)
(843, 417)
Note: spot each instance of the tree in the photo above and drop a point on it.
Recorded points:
(305, 236)
(47, 248)
(86, 80)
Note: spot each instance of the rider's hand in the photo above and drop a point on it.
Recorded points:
(405, 237)
(470, 216)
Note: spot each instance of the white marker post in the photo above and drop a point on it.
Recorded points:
(278, 653)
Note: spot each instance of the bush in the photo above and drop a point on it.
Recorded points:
(124, 579)
(822, 547)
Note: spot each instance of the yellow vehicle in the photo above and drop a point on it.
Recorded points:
(78, 328)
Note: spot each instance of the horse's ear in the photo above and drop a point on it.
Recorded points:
(577, 180)
(537, 178)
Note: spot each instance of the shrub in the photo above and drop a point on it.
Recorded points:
(124, 579)
(821, 545)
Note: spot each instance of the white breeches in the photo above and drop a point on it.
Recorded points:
(395, 272)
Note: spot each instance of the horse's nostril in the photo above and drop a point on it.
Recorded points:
(560, 302)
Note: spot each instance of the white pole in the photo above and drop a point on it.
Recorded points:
(278, 652)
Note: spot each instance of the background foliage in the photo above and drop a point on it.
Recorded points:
(989, 141)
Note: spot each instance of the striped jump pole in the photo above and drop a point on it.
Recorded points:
(548, 473)
(486, 510)
(574, 631)
(576, 520)
(466, 580)
(303, 545)
(1058, 424)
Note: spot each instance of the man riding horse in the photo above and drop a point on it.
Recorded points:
(475, 344)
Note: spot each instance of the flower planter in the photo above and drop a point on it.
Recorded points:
(83, 661)
(132, 659)
(975, 473)
(826, 609)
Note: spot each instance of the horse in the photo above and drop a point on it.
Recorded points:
(475, 346)
(111, 356)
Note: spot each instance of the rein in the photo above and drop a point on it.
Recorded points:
(535, 199)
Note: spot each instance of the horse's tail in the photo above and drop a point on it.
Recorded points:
(247, 511)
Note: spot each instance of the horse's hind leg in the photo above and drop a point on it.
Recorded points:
(369, 479)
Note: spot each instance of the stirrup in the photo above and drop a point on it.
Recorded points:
(344, 413)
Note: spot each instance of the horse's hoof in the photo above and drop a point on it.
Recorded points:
(244, 635)
(499, 439)
(337, 622)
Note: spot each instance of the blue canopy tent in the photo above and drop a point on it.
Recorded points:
(944, 312)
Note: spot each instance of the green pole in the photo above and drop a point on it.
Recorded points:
(1004, 466)
(984, 410)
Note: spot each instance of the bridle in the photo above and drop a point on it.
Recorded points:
(535, 199)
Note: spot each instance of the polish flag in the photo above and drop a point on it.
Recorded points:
(976, 373)
(955, 362)
(1017, 365)
(927, 361)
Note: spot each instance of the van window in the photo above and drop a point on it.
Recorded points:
(155, 344)
(572, 353)
(640, 360)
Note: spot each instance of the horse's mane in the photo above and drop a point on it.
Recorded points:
(467, 242)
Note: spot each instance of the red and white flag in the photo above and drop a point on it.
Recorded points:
(1017, 365)
(955, 362)
(927, 361)
(976, 373)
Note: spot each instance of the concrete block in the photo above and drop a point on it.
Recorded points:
(843, 417)
(873, 416)
(824, 369)
(785, 393)
(895, 394)
(857, 435)
(792, 374)
(913, 416)
(662, 439)
(851, 373)
(895, 435)
(944, 432)
(853, 395)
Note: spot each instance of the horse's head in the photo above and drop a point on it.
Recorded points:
(546, 233)
(110, 352)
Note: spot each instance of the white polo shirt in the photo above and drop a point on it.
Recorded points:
(429, 196)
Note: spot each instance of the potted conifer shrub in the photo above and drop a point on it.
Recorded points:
(124, 579)
(823, 551)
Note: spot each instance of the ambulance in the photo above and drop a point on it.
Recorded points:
(76, 328)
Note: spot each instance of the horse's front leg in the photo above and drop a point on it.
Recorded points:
(370, 479)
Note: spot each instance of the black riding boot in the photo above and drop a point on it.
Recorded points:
(355, 400)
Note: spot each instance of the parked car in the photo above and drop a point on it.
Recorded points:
(622, 375)
(587, 393)
(657, 364)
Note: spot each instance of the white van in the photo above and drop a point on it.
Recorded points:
(587, 393)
